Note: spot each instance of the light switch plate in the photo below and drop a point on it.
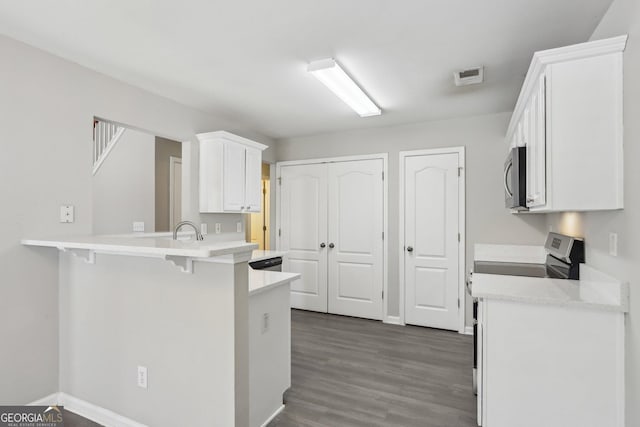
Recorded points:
(218, 228)
(142, 376)
(67, 213)
(238, 227)
(203, 229)
(138, 227)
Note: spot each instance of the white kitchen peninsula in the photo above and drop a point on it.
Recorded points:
(178, 308)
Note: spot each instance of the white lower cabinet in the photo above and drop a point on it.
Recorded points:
(331, 222)
(552, 366)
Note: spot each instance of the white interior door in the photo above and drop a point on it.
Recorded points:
(355, 249)
(431, 227)
(303, 225)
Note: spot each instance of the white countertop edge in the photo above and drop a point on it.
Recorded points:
(263, 280)
(140, 246)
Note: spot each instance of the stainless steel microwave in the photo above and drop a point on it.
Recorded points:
(515, 179)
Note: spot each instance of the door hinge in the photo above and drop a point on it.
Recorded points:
(459, 170)
(458, 302)
(383, 235)
(382, 294)
(280, 180)
(383, 175)
(458, 237)
(279, 232)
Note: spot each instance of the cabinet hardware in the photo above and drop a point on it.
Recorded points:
(322, 245)
(331, 246)
(409, 248)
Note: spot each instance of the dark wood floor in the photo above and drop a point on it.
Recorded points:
(355, 372)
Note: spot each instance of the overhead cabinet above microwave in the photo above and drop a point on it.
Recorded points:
(569, 118)
(230, 173)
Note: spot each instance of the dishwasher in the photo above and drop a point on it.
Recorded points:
(271, 264)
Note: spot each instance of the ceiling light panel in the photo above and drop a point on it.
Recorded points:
(329, 72)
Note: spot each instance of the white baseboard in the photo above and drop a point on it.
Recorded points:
(52, 399)
(393, 320)
(96, 413)
(275, 414)
(88, 410)
(468, 330)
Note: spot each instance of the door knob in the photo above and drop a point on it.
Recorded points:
(409, 248)
(322, 245)
(331, 246)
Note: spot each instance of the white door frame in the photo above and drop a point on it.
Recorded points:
(172, 164)
(385, 244)
(462, 262)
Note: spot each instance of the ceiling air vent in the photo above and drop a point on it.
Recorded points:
(470, 76)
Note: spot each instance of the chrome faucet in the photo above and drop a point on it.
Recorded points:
(179, 226)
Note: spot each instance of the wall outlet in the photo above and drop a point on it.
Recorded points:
(265, 323)
(66, 213)
(218, 228)
(203, 229)
(238, 227)
(613, 244)
(138, 226)
(142, 376)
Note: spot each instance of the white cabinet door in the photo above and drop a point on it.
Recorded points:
(303, 225)
(234, 177)
(431, 209)
(355, 238)
(253, 180)
(536, 147)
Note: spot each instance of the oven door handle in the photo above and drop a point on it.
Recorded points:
(506, 175)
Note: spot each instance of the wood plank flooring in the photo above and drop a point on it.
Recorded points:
(355, 372)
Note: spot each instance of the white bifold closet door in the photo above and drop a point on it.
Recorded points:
(355, 232)
(331, 224)
(303, 233)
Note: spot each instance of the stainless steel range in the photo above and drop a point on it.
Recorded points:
(564, 255)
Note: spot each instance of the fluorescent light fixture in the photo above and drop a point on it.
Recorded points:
(329, 72)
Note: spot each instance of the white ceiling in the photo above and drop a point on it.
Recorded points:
(246, 60)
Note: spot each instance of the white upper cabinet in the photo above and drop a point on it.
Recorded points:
(569, 117)
(230, 173)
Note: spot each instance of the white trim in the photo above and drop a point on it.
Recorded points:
(95, 413)
(49, 400)
(275, 414)
(461, 227)
(221, 134)
(173, 160)
(468, 330)
(385, 188)
(392, 320)
(552, 56)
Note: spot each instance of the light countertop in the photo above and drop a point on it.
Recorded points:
(145, 245)
(594, 290)
(259, 255)
(263, 280)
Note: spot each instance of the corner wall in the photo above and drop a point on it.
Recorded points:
(46, 117)
(483, 136)
(623, 17)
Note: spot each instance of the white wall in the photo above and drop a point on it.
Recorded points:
(483, 136)
(623, 17)
(124, 186)
(46, 115)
